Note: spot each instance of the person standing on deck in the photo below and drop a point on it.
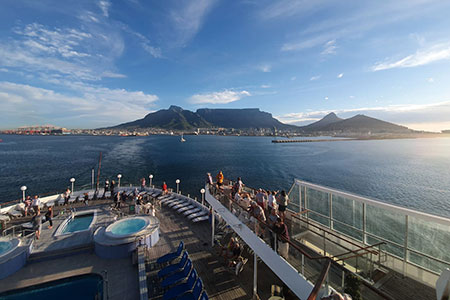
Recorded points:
(37, 224)
(260, 197)
(143, 184)
(283, 201)
(36, 205)
(283, 236)
(164, 188)
(220, 180)
(27, 203)
(106, 188)
(48, 217)
(271, 201)
(113, 185)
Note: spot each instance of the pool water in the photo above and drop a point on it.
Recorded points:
(128, 226)
(78, 223)
(79, 287)
(5, 246)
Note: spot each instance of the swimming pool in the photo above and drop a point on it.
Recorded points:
(7, 245)
(88, 286)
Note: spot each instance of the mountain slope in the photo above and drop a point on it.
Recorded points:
(322, 123)
(364, 124)
(173, 118)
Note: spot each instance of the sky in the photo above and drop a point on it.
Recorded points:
(88, 64)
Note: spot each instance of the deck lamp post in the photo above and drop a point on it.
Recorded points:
(72, 180)
(118, 177)
(23, 188)
(151, 179)
(203, 196)
(178, 185)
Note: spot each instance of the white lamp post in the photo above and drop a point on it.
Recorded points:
(23, 188)
(72, 180)
(151, 179)
(178, 185)
(118, 177)
(203, 196)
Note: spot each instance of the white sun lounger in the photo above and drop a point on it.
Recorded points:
(180, 205)
(192, 211)
(200, 219)
(197, 214)
(185, 208)
(174, 203)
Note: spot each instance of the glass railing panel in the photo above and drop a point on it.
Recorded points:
(428, 238)
(348, 216)
(294, 198)
(318, 201)
(388, 247)
(318, 218)
(426, 262)
(385, 224)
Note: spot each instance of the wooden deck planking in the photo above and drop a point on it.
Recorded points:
(220, 282)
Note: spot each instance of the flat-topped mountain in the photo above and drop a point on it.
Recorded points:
(180, 119)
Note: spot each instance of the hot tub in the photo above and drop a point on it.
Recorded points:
(121, 238)
(13, 256)
(82, 221)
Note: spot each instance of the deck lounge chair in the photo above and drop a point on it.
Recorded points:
(185, 208)
(178, 206)
(171, 256)
(182, 288)
(179, 276)
(192, 211)
(200, 219)
(201, 213)
(196, 293)
(174, 267)
(178, 201)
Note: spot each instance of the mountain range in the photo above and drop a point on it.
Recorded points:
(177, 118)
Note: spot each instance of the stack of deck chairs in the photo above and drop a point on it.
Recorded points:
(193, 210)
(178, 277)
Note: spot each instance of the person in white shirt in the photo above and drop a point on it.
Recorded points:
(271, 201)
(36, 205)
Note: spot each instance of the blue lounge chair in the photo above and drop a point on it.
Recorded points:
(171, 256)
(196, 293)
(179, 276)
(175, 267)
(182, 288)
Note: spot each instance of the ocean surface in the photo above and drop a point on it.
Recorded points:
(413, 173)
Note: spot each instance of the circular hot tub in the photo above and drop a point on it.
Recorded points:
(13, 256)
(127, 227)
(122, 237)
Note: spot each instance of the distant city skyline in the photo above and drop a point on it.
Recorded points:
(88, 64)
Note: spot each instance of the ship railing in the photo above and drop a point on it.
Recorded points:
(310, 263)
(415, 243)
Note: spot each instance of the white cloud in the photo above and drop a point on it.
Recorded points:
(329, 48)
(421, 57)
(293, 78)
(340, 75)
(224, 97)
(104, 6)
(313, 78)
(326, 98)
(287, 8)
(430, 80)
(188, 19)
(432, 117)
(265, 68)
(265, 86)
(99, 105)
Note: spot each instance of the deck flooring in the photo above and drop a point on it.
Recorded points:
(220, 281)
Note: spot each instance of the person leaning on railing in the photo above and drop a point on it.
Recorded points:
(281, 230)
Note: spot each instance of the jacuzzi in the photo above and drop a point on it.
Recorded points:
(121, 238)
(13, 255)
(82, 221)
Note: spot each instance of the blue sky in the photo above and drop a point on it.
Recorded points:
(84, 64)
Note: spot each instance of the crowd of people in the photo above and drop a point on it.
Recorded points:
(267, 210)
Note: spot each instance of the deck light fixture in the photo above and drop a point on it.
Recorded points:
(72, 180)
(23, 188)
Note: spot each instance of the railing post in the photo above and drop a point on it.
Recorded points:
(306, 208)
(300, 196)
(255, 276)
(212, 227)
(330, 203)
(324, 244)
(303, 264)
(364, 223)
(405, 260)
(275, 242)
